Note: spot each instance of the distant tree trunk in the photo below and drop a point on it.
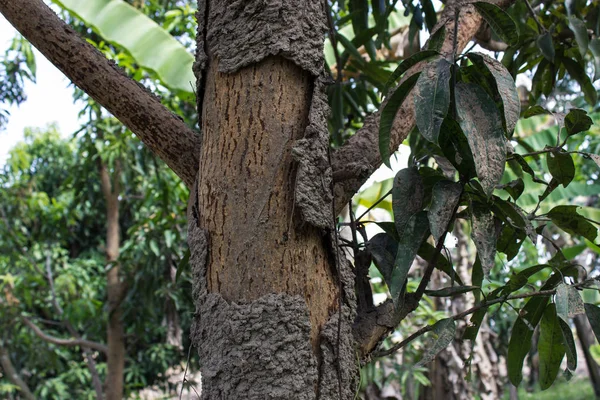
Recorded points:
(586, 338)
(171, 321)
(12, 375)
(115, 287)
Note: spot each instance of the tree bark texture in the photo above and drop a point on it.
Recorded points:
(586, 338)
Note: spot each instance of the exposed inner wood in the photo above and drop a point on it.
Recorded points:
(246, 189)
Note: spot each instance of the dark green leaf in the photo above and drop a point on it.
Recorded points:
(183, 264)
(593, 314)
(549, 189)
(544, 43)
(515, 188)
(518, 158)
(581, 34)
(406, 64)
(407, 197)
(550, 347)
(389, 113)
(360, 22)
(595, 48)
(436, 40)
(445, 197)
(383, 249)
(535, 110)
(577, 121)
(510, 241)
(450, 291)
(561, 167)
(389, 228)
(578, 73)
(505, 85)
(430, 16)
(481, 122)
(569, 344)
(501, 23)
(520, 339)
(432, 98)
(415, 232)
(475, 323)
(568, 302)
(567, 219)
(484, 236)
(455, 147)
(444, 329)
(427, 251)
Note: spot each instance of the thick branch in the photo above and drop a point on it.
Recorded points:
(165, 134)
(63, 342)
(359, 157)
(13, 376)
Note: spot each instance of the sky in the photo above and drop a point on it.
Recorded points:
(49, 100)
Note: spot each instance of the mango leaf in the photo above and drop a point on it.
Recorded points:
(550, 347)
(426, 252)
(535, 110)
(505, 85)
(501, 23)
(152, 47)
(577, 121)
(569, 344)
(450, 291)
(561, 166)
(544, 43)
(383, 249)
(406, 64)
(484, 236)
(432, 98)
(474, 324)
(389, 113)
(520, 339)
(436, 40)
(444, 331)
(510, 241)
(578, 73)
(568, 302)
(416, 231)
(407, 197)
(444, 198)
(593, 314)
(455, 147)
(515, 188)
(567, 219)
(184, 264)
(517, 281)
(359, 11)
(481, 122)
(581, 34)
(595, 48)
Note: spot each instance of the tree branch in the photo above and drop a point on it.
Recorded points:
(354, 162)
(63, 342)
(13, 376)
(165, 134)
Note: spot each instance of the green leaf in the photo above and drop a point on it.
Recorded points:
(578, 73)
(383, 249)
(432, 98)
(595, 48)
(510, 241)
(544, 43)
(581, 34)
(444, 198)
(151, 46)
(389, 113)
(474, 324)
(415, 233)
(520, 339)
(455, 147)
(406, 64)
(183, 264)
(426, 252)
(515, 188)
(154, 247)
(568, 302)
(517, 281)
(550, 347)
(577, 121)
(561, 166)
(535, 110)
(593, 314)
(481, 122)
(501, 23)
(484, 236)
(450, 291)
(505, 85)
(444, 331)
(359, 9)
(569, 344)
(436, 40)
(407, 197)
(567, 219)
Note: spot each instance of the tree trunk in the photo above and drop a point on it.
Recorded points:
(586, 337)
(115, 288)
(13, 376)
(266, 284)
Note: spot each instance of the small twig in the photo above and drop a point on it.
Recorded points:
(187, 363)
(374, 205)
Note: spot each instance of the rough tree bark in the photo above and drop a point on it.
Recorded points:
(269, 284)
